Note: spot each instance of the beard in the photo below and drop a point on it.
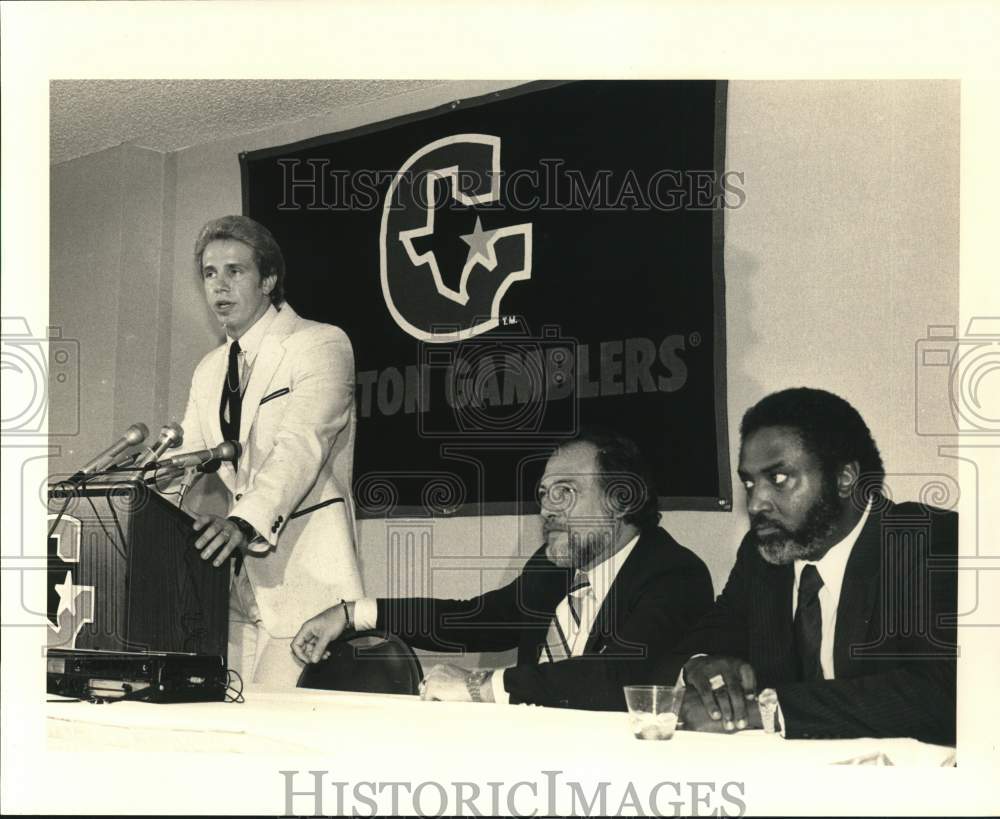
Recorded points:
(578, 547)
(809, 541)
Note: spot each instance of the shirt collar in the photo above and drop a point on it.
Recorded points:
(833, 564)
(251, 340)
(603, 574)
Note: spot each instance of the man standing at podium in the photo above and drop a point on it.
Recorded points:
(283, 387)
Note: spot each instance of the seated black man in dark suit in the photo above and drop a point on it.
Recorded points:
(840, 609)
(608, 587)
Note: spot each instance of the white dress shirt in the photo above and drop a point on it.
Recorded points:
(250, 343)
(831, 568)
(365, 614)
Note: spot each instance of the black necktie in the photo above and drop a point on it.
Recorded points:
(231, 405)
(230, 409)
(809, 624)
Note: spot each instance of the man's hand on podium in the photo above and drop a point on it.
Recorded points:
(220, 537)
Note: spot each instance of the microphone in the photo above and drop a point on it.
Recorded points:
(171, 436)
(128, 462)
(134, 435)
(192, 475)
(226, 451)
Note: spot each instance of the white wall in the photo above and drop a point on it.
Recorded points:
(844, 251)
(109, 212)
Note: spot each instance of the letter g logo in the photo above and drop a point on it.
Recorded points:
(418, 298)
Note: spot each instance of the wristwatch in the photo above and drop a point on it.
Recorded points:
(767, 701)
(348, 623)
(249, 533)
(474, 683)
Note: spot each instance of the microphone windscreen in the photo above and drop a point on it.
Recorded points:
(136, 434)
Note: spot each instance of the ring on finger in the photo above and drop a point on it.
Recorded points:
(716, 682)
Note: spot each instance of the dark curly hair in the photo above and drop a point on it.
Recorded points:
(626, 478)
(829, 427)
(258, 238)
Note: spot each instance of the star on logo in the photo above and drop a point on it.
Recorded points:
(410, 307)
(481, 243)
(68, 592)
(481, 246)
(70, 606)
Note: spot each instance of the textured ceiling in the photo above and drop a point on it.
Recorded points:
(91, 115)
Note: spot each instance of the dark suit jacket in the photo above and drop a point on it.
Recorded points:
(894, 647)
(660, 591)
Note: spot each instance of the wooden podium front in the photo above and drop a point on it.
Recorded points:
(123, 574)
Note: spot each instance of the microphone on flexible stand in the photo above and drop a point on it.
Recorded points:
(128, 462)
(193, 474)
(133, 436)
(171, 436)
(226, 451)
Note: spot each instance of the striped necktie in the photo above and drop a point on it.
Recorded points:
(564, 629)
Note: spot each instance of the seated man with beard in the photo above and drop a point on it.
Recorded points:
(589, 612)
(840, 609)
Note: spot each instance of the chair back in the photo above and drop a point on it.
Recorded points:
(368, 661)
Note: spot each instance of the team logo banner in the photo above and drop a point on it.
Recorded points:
(510, 268)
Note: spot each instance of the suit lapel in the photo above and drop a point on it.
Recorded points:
(616, 601)
(268, 358)
(546, 585)
(774, 657)
(857, 594)
(271, 352)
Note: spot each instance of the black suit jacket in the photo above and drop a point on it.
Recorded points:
(659, 592)
(894, 646)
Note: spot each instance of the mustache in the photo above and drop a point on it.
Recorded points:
(760, 521)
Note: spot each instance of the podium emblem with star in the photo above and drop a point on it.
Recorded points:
(70, 605)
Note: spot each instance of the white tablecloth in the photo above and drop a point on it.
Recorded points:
(310, 721)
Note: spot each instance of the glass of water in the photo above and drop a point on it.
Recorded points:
(654, 709)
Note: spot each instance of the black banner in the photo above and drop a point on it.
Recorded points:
(509, 268)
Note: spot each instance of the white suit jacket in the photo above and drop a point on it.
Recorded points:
(294, 478)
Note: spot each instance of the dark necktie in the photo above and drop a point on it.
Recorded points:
(809, 624)
(230, 410)
(231, 405)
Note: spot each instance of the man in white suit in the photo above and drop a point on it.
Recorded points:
(284, 387)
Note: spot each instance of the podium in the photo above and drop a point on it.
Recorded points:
(123, 574)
